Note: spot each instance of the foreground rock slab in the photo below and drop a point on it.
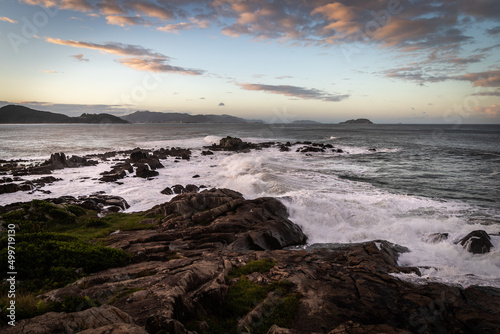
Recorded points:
(182, 274)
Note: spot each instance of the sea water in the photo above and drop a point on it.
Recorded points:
(399, 183)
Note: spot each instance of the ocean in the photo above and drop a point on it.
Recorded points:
(399, 183)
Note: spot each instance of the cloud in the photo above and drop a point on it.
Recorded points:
(125, 20)
(6, 19)
(176, 27)
(494, 31)
(483, 79)
(77, 5)
(490, 111)
(111, 47)
(294, 91)
(50, 72)
(490, 93)
(136, 57)
(79, 57)
(156, 65)
(152, 10)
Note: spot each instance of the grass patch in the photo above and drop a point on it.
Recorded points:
(47, 260)
(259, 266)
(29, 306)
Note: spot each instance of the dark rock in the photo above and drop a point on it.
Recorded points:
(231, 143)
(178, 189)
(191, 188)
(96, 202)
(140, 158)
(305, 149)
(477, 242)
(339, 150)
(284, 148)
(434, 238)
(208, 152)
(182, 153)
(180, 278)
(144, 171)
(118, 171)
(167, 191)
(137, 156)
(9, 188)
(196, 176)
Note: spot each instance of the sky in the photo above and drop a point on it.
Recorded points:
(392, 61)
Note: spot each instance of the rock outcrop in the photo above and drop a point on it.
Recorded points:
(477, 242)
(213, 251)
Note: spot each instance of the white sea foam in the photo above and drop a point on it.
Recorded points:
(329, 209)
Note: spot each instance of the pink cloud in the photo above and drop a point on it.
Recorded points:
(6, 19)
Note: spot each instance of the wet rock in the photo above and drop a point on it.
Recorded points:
(434, 238)
(144, 171)
(167, 191)
(118, 171)
(207, 152)
(191, 188)
(178, 189)
(140, 158)
(178, 152)
(477, 242)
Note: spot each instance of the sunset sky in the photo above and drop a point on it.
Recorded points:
(386, 60)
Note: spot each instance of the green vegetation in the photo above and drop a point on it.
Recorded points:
(49, 260)
(53, 249)
(259, 266)
(28, 306)
(244, 295)
(40, 216)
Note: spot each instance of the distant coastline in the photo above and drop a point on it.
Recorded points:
(17, 114)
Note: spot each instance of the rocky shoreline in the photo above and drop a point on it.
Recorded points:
(214, 262)
(211, 261)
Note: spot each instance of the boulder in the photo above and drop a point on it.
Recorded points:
(477, 242)
(69, 323)
(167, 191)
(144, 171)
(231, 143)
(140, 158)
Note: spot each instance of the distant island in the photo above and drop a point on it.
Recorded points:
(357, 121)
(305, 121)
(15, 114)
(173, 117)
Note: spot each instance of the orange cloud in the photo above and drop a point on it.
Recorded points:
(137, 57)
(490, 111)
(152, 10)
(156, 65)
(6, 19)
(125, 20)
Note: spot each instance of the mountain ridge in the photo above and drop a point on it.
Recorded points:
(18, 114)
(146, 116)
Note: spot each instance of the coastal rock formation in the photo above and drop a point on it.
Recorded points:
(216, 262)
(118, 171)
(477, 242)
(56, 161)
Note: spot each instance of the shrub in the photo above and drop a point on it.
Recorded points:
(49, 260)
